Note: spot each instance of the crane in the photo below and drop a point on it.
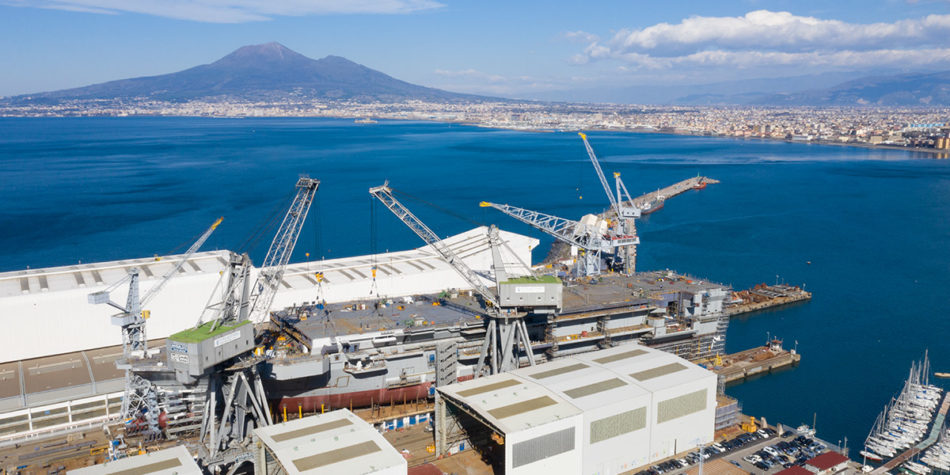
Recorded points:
(585, 234)
(139, 396)
(624, 209)
(132, 317)
(506, 328)
(243, 300)
(621, 205)
(229, 372)
(281, 248)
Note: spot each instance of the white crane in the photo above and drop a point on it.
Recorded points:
(588, 235)
(623, 208)
(622, 203)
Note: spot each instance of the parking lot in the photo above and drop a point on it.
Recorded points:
(764, 451)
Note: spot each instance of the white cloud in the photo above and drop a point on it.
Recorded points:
(581, 36)
(231, 11)
(763, 38)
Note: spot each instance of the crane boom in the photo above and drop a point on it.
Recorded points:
(600, 174)
(281, 248)
(131, 317)
(385, 196)
(566, 230)
(191, 250)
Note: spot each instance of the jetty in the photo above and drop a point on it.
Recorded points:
(763, 297)
(560, 251)
(759, 360)
(694, 183)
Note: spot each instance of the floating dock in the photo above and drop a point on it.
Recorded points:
(763, 297)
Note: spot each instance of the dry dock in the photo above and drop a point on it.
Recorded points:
(759, 360)
(763, 296)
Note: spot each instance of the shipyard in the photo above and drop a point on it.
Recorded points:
(460, 348)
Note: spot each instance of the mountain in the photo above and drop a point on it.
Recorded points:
(261, 72)
(914, 89)
(738, 91)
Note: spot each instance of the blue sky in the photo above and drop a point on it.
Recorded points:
(513, 48)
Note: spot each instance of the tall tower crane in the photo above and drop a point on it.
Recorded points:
(278, 255)
(623, 208)
(139, 395)
(235, 401)
(506, 328)
(132, 317)
(622, 203)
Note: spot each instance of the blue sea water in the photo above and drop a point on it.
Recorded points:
(873, 224)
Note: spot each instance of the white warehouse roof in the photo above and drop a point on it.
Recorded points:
(533, 396)
(173, 461)
(623, 407)
(511, 402)
(55, 299)
(335, 442)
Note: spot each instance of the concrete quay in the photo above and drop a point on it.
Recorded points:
(751, 362)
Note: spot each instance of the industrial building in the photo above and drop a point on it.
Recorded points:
(41, 295)
(173, 461)
(601, 412)
(335, 442)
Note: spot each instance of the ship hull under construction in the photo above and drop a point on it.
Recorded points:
(396, 353)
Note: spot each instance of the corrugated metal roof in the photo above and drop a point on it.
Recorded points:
(558, 371)
(175, 460)
(522, 407)
(658, 371)
(533, 396)
(489, 387)
(595, 388)
(323, 459)
(335, 442)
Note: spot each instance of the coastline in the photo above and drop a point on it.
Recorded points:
(940, 153)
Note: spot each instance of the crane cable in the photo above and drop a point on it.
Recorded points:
(438, 208)
(373, 243)
(268, 223)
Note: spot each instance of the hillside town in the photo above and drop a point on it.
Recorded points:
(923, 129)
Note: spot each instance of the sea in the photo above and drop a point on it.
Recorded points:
(866, 230)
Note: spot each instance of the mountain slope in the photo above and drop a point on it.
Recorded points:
(261, 72)
(916, 89)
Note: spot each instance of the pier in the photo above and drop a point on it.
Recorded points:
(760, 360)
(694, 183)
(560, 251)
(763, 297)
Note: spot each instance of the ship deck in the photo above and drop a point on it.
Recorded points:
(364, 317)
